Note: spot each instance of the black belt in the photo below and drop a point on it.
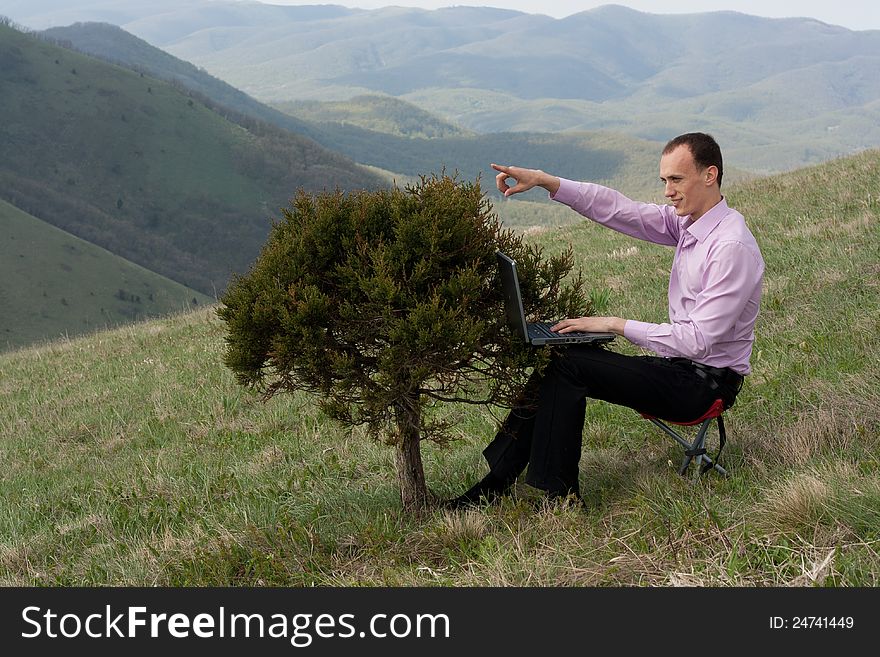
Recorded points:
(715, 376)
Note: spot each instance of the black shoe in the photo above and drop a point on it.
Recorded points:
(572, 496)
(488, 489)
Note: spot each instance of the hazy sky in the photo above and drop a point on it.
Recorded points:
(854, 14)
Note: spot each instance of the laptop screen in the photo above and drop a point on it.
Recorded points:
(513, 306)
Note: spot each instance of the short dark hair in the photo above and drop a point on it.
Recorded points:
(703, 147)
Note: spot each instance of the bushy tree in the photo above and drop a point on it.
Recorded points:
(382, 303)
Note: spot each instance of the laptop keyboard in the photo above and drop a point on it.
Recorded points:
(542, 329)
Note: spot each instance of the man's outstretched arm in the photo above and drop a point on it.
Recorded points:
(525, 180)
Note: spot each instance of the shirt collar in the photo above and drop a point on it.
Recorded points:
(702, 227)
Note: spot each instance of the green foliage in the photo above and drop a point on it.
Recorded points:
(373, 299)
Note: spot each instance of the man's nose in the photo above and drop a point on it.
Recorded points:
(668, 191)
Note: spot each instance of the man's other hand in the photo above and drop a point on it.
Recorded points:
(590, 325)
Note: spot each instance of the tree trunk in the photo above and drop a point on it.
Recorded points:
(410, 473)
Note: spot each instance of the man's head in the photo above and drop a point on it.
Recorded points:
(691, 169)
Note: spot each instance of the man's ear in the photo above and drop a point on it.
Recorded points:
(710, 175)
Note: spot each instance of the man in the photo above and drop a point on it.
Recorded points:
(702, 352)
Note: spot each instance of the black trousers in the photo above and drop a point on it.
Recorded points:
(545, 430)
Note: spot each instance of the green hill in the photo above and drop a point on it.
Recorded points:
(137, 166)
(132, 458)
(53, 284)
(383, 114)
(115, 45)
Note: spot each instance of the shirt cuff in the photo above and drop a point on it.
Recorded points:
(637, 332)
(567, 193)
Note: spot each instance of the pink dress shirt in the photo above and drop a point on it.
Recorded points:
(715, 283)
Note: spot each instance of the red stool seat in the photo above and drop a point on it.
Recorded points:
(715, 410)
(696, 448)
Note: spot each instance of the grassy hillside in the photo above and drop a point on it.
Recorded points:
(138, 167)
(383, 114)
(626, 163)
(133, 458)
(53, 284)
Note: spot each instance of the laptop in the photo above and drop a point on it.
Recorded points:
(536, 333)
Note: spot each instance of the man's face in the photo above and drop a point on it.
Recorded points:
(690, 190)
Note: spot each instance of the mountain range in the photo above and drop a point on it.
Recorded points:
(779, 93)
(384, 132)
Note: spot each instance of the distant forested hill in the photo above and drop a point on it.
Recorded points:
(145, 170)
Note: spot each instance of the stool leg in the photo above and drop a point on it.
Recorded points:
(684, 464)
(710, 465)
(698, 443)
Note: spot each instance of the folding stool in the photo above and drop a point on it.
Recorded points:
(697, 449)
